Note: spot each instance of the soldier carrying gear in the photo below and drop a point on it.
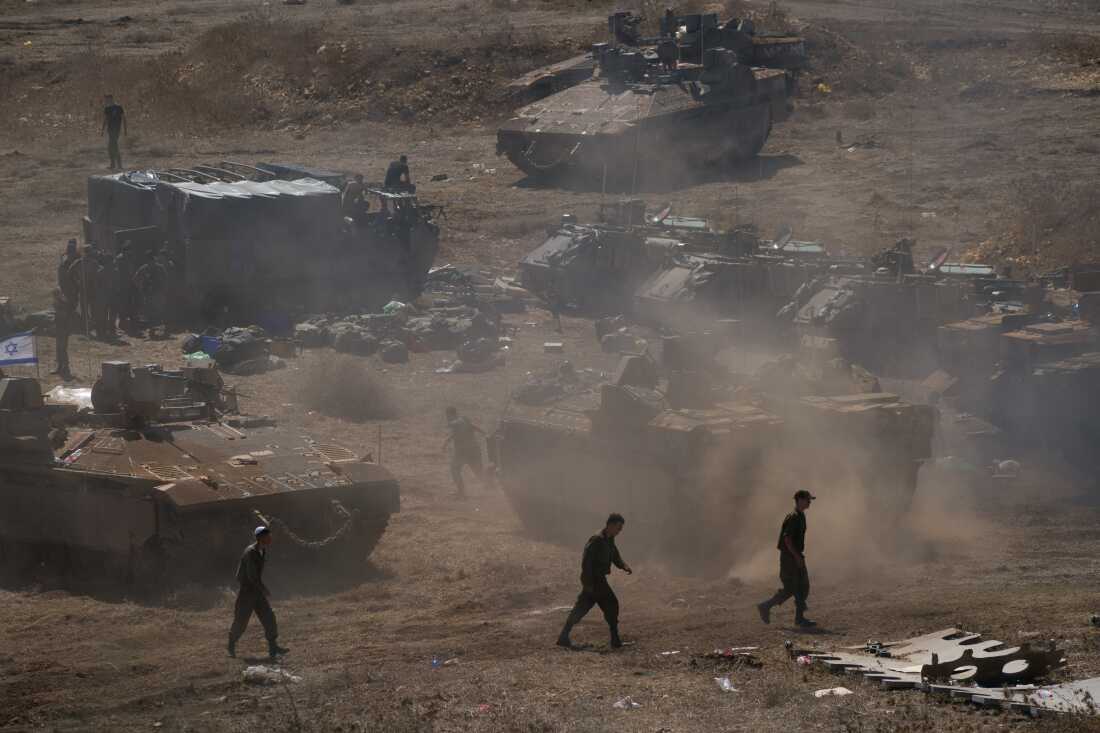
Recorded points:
(599, 555)
(252, 597)
(63, 317)
(792, 563)
(467, 451)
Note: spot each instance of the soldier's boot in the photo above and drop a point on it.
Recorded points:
(801, 621)
(563, 637)
(765, 611)
(274, 650)
(231, 647)
(616, 642)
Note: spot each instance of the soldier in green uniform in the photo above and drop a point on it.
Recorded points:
(467, 451)
(792, 563)
(63, 317)
(600, 553)
(253, 595)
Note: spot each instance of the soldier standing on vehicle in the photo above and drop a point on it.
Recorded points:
(792, 563)
(600, 553)
(467, 450)
(253, 595)
(397, 175)
(354, 199)
(114, 122)
(63, 317)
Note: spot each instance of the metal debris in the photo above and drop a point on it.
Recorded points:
(962, 664)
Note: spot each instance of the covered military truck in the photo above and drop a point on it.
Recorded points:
(247, 240)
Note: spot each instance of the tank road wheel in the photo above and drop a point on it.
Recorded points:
(749, 133)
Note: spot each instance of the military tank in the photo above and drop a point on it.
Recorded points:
(642, 117)
(688, 477)
(690, 36)
(160, 486)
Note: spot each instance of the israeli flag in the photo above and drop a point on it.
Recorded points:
(18, 349)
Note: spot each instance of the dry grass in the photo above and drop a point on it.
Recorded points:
(1053, 221)
(341, 386)
(265, 72)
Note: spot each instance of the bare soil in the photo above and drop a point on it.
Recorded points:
(958, 123)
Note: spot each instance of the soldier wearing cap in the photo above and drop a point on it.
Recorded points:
(792, 563)
(253, 595)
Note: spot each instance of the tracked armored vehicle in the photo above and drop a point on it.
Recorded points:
(641, 118)
(163, 487)
(246, 241)
(668, 270)
(689, 35)
(687, 477)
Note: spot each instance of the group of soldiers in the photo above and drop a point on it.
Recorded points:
(600, 554)
(354, 201)
(98, 292)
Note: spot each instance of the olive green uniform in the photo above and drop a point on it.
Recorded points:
(252, 598)
(600, 553)
(63, 317)
(467, 451)
(793, 575)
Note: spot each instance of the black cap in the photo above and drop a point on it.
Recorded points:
(803, 494)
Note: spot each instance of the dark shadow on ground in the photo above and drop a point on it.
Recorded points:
(196, 594)
(759, 168)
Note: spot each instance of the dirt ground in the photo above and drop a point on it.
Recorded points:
(948, 114)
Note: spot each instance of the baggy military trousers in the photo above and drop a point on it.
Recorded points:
(601, 595)
(253, 602)
(795, 580)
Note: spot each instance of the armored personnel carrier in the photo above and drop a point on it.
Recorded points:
(642, 117)
(158, 485)
(687, 478)
(247, 240)
(668, 269)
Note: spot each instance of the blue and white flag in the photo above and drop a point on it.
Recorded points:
(18, 349)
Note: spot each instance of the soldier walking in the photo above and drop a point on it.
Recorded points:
(252, 598)
(467, 450)
(599, 555)
(792, 563)
(63, 317)
(114, 123)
